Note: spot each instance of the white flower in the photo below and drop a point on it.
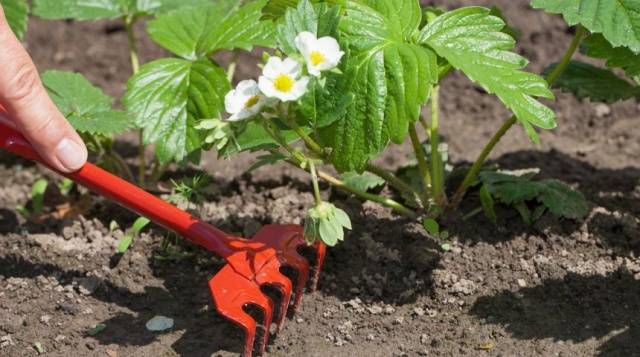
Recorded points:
(321, 54)
(245, 101)
(280, 79)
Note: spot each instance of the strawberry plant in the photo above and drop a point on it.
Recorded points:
(341, 81)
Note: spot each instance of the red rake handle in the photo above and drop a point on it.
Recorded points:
(129, 196)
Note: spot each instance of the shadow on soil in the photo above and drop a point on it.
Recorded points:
(576, 308)
(615, 190)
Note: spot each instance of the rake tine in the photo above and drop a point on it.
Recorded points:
(284, 285)
(321, 252)
(300, 264)
(231, 292)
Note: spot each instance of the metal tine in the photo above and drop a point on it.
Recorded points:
(231, 292)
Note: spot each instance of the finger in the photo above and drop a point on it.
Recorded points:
(34, 114)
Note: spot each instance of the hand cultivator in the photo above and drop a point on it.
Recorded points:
(252, 264)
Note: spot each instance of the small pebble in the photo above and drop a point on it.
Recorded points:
(522, 283)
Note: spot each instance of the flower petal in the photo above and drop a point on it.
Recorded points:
(231, 102)
(291, 67)
(273, 68)
(247, 87)
(267, 88)
(306, 42)
(300, 88)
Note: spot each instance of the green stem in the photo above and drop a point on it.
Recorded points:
(472, 214)
(477, 165)
(437, 166)
(135, 67)
(314, 181)
(158, 171)
(123, 166)
(376, 170)
(298, 158)
(422, 164)
(393, 180)
(337, 183)
(231, 70)
(133, 48)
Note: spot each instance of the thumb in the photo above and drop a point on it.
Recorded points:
(34, 114)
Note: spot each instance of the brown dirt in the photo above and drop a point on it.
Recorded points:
(557, 288)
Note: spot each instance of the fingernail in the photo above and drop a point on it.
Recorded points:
(70, 154)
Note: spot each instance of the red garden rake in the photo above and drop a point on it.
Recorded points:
(251, 263)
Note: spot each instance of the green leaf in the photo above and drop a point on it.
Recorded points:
(106, 9)
(78, 9)
(65, 186)
(329, 232)
(268, 159)
(321, 20)
(564, 201)
(588, 81)
(617, 20)
(299, 19)
(388, 76)
(524, 211)
(86, 107)
(311, 230)
(516, 191)
(321, 106)
(195, 33)
(17, 14)
(163, 6)
(362, 182)
(169, 96)
(124, 243)
(251, 136)
(472, 41)
(432, 226)
(597, 46)
(488, 204)
(342, 218)
(277, 8)
(557, 196)
(509, 30)
(37, 195)
(139, 224)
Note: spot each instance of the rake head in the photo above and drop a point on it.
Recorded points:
(258, 264)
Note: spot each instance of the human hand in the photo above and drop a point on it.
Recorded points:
(31, 110)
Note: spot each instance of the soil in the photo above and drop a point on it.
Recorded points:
(557, 288)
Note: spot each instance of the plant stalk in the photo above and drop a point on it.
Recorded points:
(298, 159)
(477, 165)
(437, 166)
(135, 67)
(314, 181)
(391, 179)
(423, 167)
(339, 184)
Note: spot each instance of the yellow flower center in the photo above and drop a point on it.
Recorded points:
(252, 101)
(317, 58)
(284, 83)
